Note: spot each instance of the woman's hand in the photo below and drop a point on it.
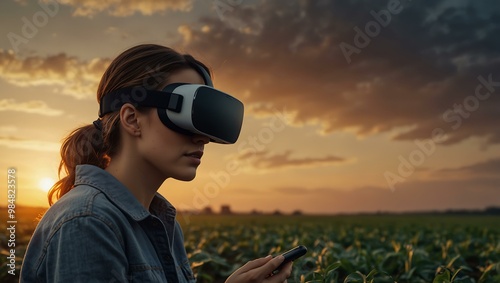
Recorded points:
(260, 271)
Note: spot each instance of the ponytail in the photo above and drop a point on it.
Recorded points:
(82, 146)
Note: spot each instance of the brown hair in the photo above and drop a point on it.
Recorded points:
(147, 65)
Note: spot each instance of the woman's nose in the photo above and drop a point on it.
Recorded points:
(201, 139)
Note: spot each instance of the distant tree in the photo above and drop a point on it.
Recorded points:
(297, 212)
(255, 212)
(225, 209)
(492, 210)
(207, 210)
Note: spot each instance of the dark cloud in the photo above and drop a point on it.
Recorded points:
(423, 64)
(489, 169)
(122, 8)
(267, 160)
(76, 77)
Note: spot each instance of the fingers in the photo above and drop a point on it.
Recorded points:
(282, 275)
(260, 271)
(253, 264)
(270, 266)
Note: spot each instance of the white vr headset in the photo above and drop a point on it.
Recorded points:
(185, 108)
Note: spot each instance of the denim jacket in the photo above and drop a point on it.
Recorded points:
(99, 232)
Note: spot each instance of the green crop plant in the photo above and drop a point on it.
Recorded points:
(372, 249)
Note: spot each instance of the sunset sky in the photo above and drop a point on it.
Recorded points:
(349, 105)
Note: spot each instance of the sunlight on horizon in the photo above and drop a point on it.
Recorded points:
(46, 183)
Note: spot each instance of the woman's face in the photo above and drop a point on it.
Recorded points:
(172, 154)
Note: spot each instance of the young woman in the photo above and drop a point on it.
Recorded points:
(109, 224)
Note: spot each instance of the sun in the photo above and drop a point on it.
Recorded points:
(46, 183)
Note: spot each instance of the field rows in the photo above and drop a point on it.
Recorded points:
(340, 249)
(351, 249)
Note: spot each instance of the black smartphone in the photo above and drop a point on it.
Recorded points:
(291, 255)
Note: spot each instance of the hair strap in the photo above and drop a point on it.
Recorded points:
(98, 124)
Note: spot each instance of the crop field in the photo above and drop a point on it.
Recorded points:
(371, 248)
(351, 248)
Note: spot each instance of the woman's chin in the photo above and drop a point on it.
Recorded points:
(185, 177)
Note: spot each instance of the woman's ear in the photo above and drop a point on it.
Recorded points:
(129, 119)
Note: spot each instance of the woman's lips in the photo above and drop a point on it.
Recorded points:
(195, 156)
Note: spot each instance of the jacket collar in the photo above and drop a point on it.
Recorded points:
(120, 195)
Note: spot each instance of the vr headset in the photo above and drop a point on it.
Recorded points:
(185, 108)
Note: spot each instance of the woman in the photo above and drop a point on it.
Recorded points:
(109, 223)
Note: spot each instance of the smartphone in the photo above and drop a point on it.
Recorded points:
(291, 255)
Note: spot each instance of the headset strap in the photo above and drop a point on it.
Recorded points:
(205, 75)
(140, 96)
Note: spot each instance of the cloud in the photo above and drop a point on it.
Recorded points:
(123, 8)
(32, 106)
(265, 160)
(485, 169)
(28, 144)
(75, 77)
(423, 64)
